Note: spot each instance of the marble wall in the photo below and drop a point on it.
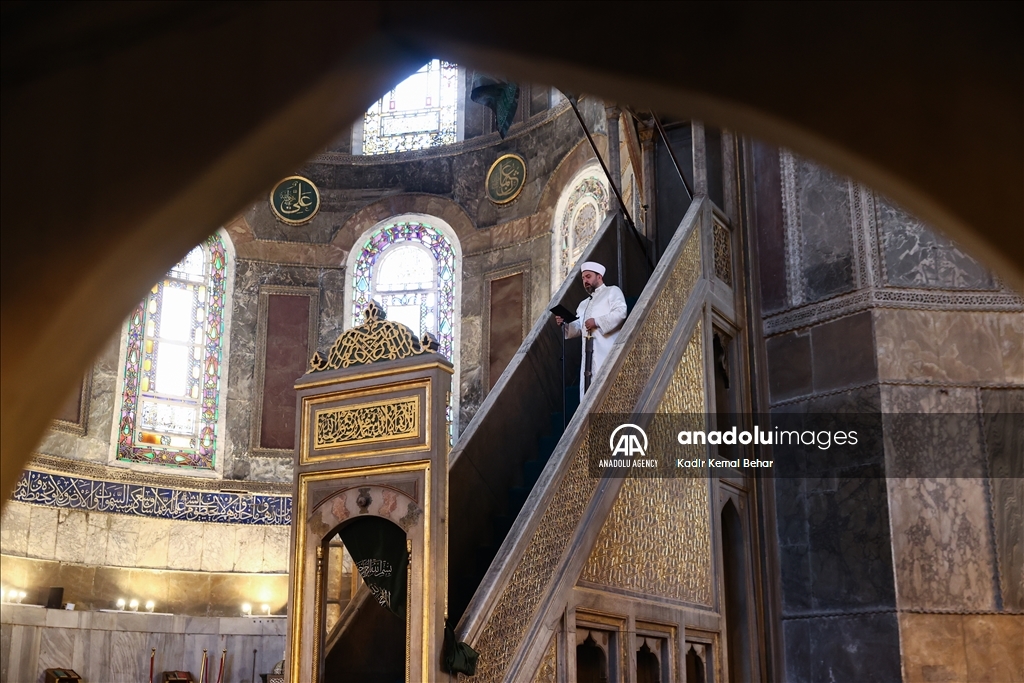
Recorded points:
(962, 647)
(127, 541)
(908, 560)
(244, 397)
(116, 647)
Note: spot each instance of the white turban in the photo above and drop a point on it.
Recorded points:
(594, 266)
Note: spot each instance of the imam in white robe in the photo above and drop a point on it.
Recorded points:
(607, 306)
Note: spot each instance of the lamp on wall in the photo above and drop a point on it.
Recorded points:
(120, 604)
(133, 605)
(247, 609)
(150, 605)
(266, 609)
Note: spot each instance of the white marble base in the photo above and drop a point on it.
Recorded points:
(114, 646)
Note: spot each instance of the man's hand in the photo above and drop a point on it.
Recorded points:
(590, 324)
(558, 320)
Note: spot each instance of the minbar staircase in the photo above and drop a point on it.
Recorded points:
(501, 454)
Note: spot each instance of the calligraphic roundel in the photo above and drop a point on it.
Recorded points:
(295, 200)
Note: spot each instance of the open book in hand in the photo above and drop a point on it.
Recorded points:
(563, 312)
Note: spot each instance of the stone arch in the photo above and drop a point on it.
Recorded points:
(453, 215)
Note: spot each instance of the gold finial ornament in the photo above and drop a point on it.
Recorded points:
(375, 340)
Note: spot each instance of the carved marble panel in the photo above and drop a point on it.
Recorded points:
(914, 255)
(1004, 442)
(819, 221)
(947, 346)
(942, 544)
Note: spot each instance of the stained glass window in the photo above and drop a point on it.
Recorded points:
(170, 400)
(410, 269)
(580, 214)
(421, 112)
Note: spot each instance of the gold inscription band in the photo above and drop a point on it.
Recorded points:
(368, 422)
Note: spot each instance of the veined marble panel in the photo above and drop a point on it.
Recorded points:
(950, 346)
(249, 548)
(14, 528)
(42, 533)
(185, 545)
(127, 650)
(96, 532)
(122, 542)
(72, 535)
(955, 647)
(5, 649)
(942, 543)
(111, 647)
(1004, 441)
(914, 255)
(818, 208)
(57, 648)
(153, 542)
(276, 545)
(219, 550)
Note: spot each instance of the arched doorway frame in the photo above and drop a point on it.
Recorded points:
(310, 534)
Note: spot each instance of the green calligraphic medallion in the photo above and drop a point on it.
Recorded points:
(506, 178)
(295, 200)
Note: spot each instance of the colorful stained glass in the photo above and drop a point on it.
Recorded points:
(421, 112)
(409, 268)
(171, 395)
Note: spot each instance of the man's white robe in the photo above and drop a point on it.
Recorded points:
(607, 306)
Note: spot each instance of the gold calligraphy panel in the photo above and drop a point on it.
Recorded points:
(352, 425)
(657, 537)
(502, 636)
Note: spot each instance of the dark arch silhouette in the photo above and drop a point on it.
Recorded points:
(373, 646)
(737, 595)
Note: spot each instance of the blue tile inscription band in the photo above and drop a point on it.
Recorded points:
(76, 493)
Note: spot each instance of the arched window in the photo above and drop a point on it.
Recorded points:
(421, 112)
(170, 387)
(410, 265)
(579, 213)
